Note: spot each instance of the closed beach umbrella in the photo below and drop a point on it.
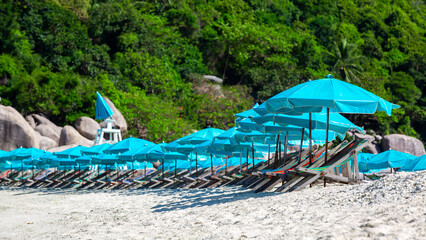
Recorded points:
(103, 111)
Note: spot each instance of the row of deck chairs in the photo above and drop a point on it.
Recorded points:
(281, 173)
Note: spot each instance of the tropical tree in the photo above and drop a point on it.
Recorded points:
(347, 59)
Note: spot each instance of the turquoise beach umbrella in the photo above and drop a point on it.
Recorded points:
(71, 153)
(95, 150)
(200, 136)
(84, 160)
(417, 164)
(103, 111)
(128, 144)
(338, 96)
(28, 153)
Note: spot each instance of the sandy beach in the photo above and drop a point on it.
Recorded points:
(391, 208)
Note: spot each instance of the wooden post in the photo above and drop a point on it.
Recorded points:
(226, 164)
(356, 167)
(247, 159)
(175, 167)
(162, 169)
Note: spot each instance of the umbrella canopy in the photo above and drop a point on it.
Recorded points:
(95, 150)
(248, 113)
(338, 96)
(389, 159)
(84, 160)
(337, 123)
(417, 164)
(128, 144)
(200, 136)
(28, 153)
(103, 111)
(10, 156)
(107, 159)
(71, 153)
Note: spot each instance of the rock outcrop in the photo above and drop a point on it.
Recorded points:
(30, 121)
(403, 143)
(71, 136)
(87, 127)
(48, 131)
(47, 143)
(62, 148)
(15, 131)
(119, 120)
(42, 120)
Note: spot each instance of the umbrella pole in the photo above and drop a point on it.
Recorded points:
(310, 138)
(276, 151)
(326, 141)
(241, 161)
(133, 169)
(211, 163)
(269, 152)
(162, 169)
(175, 168)
(226, 165)
(145, 168)
(285, 146)
(247, 159)
(22, 171)
(252, 154)
(196, 163)
(301, 145)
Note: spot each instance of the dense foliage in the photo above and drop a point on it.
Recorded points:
(148, 57)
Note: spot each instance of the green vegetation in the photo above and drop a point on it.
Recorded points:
(148, 57)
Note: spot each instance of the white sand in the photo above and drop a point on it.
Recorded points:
(391, 208)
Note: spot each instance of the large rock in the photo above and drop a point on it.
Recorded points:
(119, 120)
(42, 120)
(373, 148)
(403, 143)
(47, 131)
(15, 132)
(87, 127)
(71, 136)
(30, 121)
(364, 136)
(47, 143)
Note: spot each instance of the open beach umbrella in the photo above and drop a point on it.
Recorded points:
(200, 136)
(10, 156)
(417, 164)
(329, 93)
(71, 153)
(28, 153)
(337, 95)
(95, 150)
(128, 144)
(103, 111)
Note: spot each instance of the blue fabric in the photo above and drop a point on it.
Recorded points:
(337, 123)
(339, 96)
(363, 159)
(74, 152)
(128, 144)
(388, 159)
(417, 164)
(103, 111)
(10, 156)
(107, 159)
(28, 152)
(248, 113)
(200, 136)
(97, 149)
(84, 160)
